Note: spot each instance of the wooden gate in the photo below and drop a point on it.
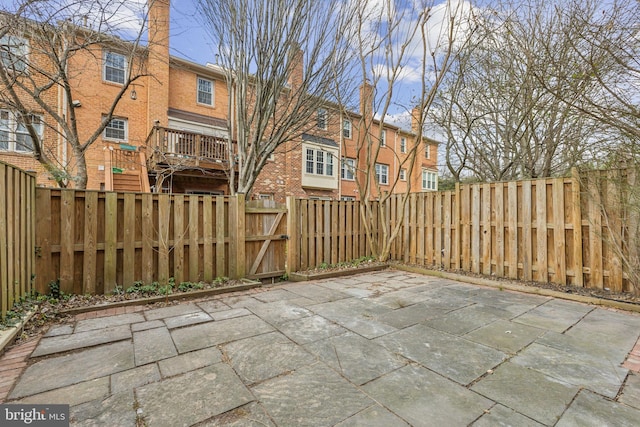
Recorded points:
(265, 239)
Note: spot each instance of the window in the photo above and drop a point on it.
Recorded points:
(322, 118)
(319, 162)
(116, 130)
(13, 53)
(348, 169)
(115, 67)
(382, 174)
(383, 138)
(14, 134)
(205, 91)
(346, 128)
(427, 151)
(403, 145)
(429, 180)
(403, 174)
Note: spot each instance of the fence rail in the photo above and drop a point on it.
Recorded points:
(574, 230)
(545, 230)
(17, 235)
(94, 241)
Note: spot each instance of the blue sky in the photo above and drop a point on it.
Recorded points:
(189, 40)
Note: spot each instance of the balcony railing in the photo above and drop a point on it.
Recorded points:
(187, 148)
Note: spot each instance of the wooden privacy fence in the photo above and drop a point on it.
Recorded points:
(327, 232)
(94, 241)
(546, 230)
(17, 237)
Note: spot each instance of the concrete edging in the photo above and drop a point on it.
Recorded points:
(171, 297)
(8, 335)
(303, 277)
(520, 288)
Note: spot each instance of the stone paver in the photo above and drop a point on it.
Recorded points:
(62, 343)
(506, 336)
(104, 322)
(193, 397)
(356, 358)
(189, 361)
(424, 398)
(73, 394)
(388, 348)
(581, 370)
(116, 410)
(502, 416)
(631, 392)
(61, 371)
(554, 315)
(309, 329)
(373, 416)
(456, 358)
(591, 410)
(528, 392)
(213, 333)
(132, 378)
(153, 345)
(265, 356)
(310, 396)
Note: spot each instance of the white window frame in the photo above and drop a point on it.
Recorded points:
(204, 92)
(16, 132)
(382, 174)
(403, 145)
(318, 162)
(348, 169)
(429, 180)
(125, 129)
(322, 118)
(383, 138)
(427, 151)
(14, 53)
(347, 128)
(108, 77)
(403, 174)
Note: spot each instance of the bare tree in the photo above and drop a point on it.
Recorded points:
(399, 44)
(282, 60)
(500, 122)
(45, 48)
(605, 43)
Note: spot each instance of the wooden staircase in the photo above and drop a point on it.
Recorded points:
(126, 169)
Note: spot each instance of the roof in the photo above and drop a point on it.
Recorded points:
(319, 140)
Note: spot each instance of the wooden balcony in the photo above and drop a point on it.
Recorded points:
(184, 149)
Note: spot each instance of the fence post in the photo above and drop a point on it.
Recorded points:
(237, 260)
(292, 231)
(576, 219)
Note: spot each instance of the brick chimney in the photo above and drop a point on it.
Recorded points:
(158, 62)
(297, 66)
(415, 121)
(366, 100)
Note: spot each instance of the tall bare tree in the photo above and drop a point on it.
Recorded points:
(500, 122)
(282, 59)
(400, 45)
(605, 44)
(40, 42)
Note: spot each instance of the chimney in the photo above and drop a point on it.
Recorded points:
(366, 100)
(158, 62)
(415, 121)
(297, 66)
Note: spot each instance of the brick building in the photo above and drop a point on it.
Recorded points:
(168, 132)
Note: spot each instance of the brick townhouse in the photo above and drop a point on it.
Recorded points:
(169, 131)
